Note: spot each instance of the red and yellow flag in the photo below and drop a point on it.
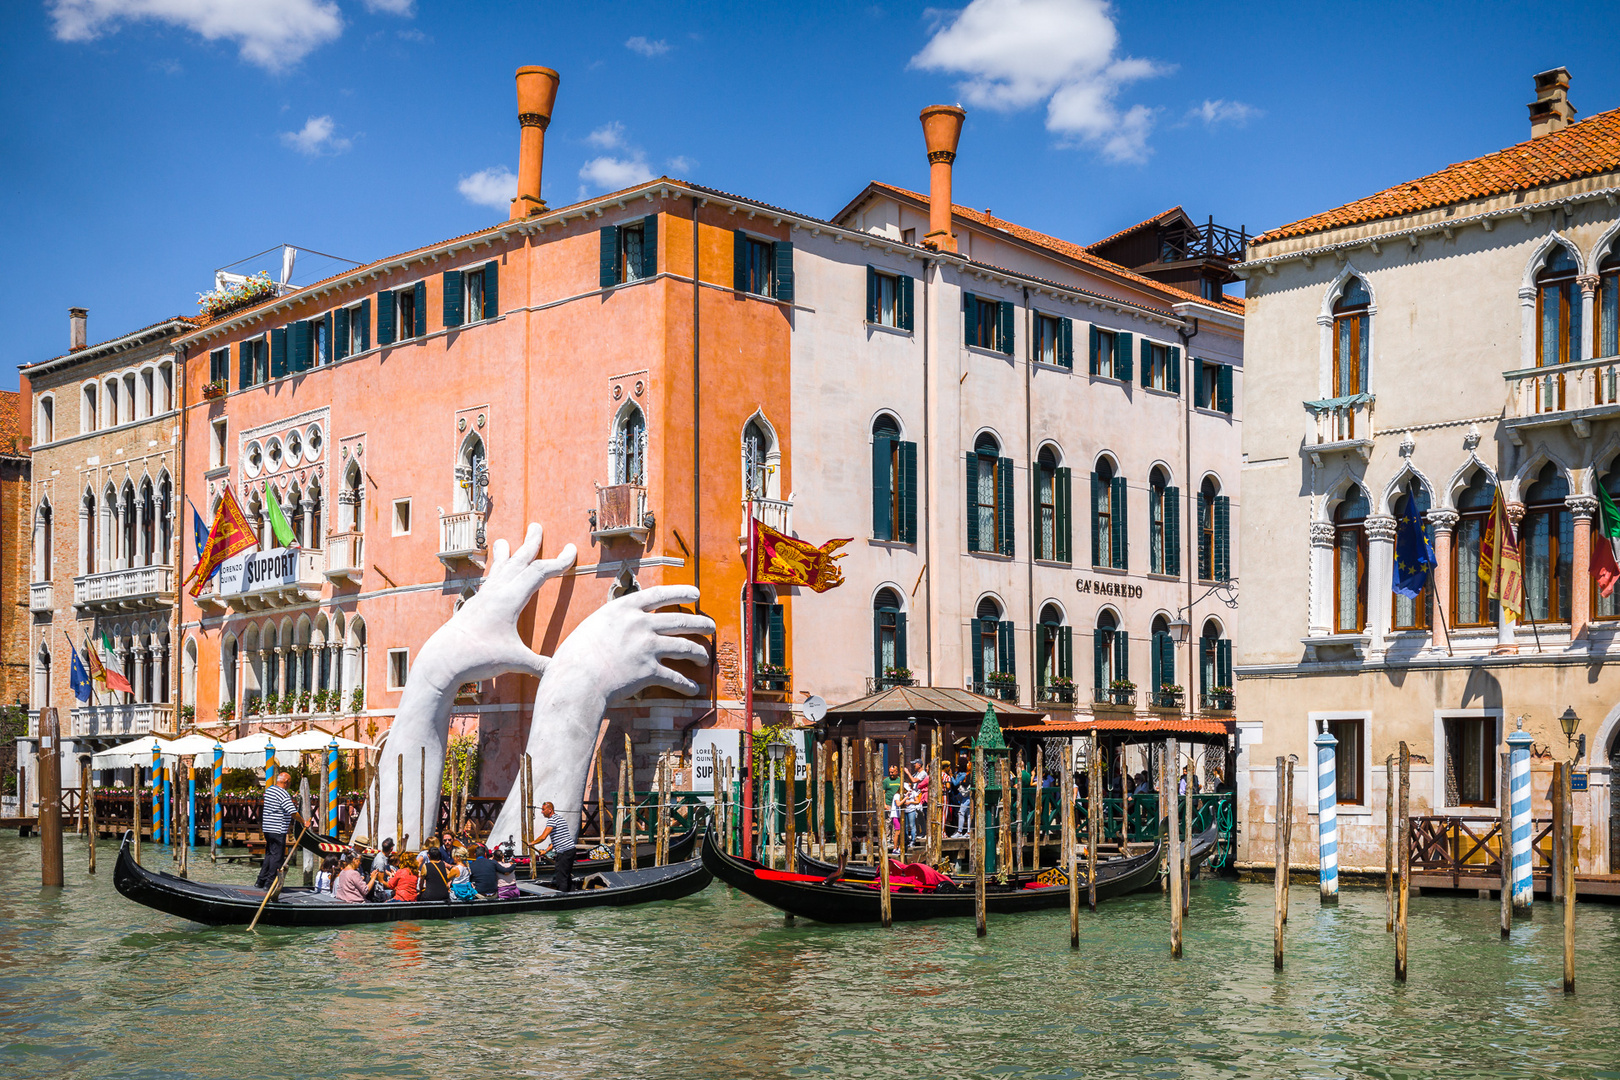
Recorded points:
(779, 559)
(230, 535)
(1500, 564)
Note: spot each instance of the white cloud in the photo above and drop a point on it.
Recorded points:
(316, 138)
(1220, 111)
(680, 163)
(647, 47)
(406, 8)
(609, 173)
(494, 188)
(273, 34)
(607, 137)
(1019, 53)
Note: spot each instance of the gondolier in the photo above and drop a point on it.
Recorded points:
(276, 818)
(561, 838)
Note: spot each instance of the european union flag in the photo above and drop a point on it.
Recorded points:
(1414, 554)
(199, 530)
(80, 679)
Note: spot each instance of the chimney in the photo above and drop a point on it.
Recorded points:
(536, 94)
(942, 127)
(1551, 111)
(76, 331)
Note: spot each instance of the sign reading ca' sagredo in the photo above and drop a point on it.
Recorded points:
(1122, 590)
(255, 570)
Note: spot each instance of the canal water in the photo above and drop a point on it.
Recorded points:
(716, 986)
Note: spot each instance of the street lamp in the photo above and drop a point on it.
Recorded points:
(1180, 629)
(1569, 722)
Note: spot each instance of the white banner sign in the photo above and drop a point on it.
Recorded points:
(709, 747)
(255, 570)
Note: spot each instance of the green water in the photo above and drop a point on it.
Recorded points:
(715, 986)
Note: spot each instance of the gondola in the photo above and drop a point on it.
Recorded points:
(848, 900)
(229, 905)
(680, 849)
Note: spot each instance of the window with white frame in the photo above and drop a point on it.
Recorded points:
(402, 517)
(399, 666)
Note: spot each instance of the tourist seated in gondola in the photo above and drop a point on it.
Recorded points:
(436, 877)
(506, 886)
(327, 878)
(482, 873)
(351, 887)
(405, 882)
(383, 861)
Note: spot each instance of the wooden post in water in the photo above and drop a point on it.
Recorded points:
(1555, 796)
(1389, 844)
(812, 797)
(1288, 837)
(846, 795)
(1173, 860)
(1096, 784)
(135, 790)
(1568, 867)
(1035, 850)
(790, 782)
(1067, 860)
(50, 799)
(1009, 799)
(978, 842)
(90, 811)
(1279, 872)
(1505, 844)
(885, 900)
(1403, 860)
(421, 806)
(1124, 802)
(1016, 809)
(1186, 842)
(666, 785)
(630, 799)
(526, 818)
(601, 802)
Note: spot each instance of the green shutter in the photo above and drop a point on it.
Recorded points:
(608, 269)
(1122, 357)
(1004, 326)
(1121, 533)
(976, 650)
(1223, 560)
(649, 245)
(972, 501)
(1004, 505)
(778, 635)
(1065, 665)
(1166, 647)
(871, 295)
(908, 492)
(327, 339)
(492, 289)
(1096, 519)
(1147, 362)
(1156, 656)
(421, 308)
(970, 318)
(1155, 513)
(1223, 662)
(1173, 374)
(1172, 531)
(1099, 659)
(882, 468)
(1064, 525)
(1223, 391)
(1066, 343)
(1006, 657)
(1199, 399)
(453, 300)
(877, 643)
(899, 639)
(385, 317)
(244, 364)
(1205, 571)
(340, 333)
(1122, 655)
(278, 352)
(1096, 346)
(905, 297)
(739, 260)
(303, 339)
(782, 279)
(365, 324)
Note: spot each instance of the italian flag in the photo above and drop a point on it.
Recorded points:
(1606, 543)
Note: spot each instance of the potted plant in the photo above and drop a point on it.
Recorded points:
(1168, 696)
(227, 712)
(216, 389)
(304, 698)
(1222, 697)
(235, 297)
(897, 676)
(1123, 691)
(188, 714)
(1060, 688)
(270, 704)
(770, 677)
(357, 699)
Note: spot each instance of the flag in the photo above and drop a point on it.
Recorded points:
(779, 559)
(109, 658)
(231, 534)
(1500, 566)
(199, 530)
(1414, 554)
(1606, 543)
(278, 521)
(79, 677)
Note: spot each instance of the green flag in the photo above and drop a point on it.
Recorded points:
(278, 521)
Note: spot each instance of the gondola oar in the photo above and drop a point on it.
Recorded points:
(280, 876)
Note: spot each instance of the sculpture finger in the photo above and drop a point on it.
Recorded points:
(680, 622)
(498, 554)
(662, 596)
(673, 680)
(678, 648)
(507, 659)
(530, 548)
(540, 571)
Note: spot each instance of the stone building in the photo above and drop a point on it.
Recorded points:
(1411, 354)
(15, 546)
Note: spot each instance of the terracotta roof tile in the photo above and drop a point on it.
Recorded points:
(1154, 220)
(14, 437)
(1585, 148)
(194, 320)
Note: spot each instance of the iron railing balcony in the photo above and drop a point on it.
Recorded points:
(621, 510)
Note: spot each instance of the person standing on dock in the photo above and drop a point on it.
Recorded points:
(276, 818)
(561, 839)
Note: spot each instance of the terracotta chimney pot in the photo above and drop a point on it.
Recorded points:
(1551, 111)
(942, 127)
(536, 93)
(77, 338)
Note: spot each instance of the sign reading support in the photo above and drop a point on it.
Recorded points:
(255, 570)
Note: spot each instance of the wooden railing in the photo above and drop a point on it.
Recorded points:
(1471, 846)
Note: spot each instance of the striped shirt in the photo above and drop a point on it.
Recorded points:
(278, 811)
(562, 837)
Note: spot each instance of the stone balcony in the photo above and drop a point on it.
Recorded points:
(621, 510)
(458, 538)
(1341, 425)
(1572, 395)
(776, 513)
(113, 721)
(134, 589)
(41, 596)
(345, 557)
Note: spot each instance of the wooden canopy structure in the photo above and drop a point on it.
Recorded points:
(904, 718)
(1126, 728)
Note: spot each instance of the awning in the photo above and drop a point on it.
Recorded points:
(1197, 728)
(129, 755)
(315, 740)
(939, 702)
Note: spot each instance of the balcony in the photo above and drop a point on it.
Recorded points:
(1165, 700)
(772, 682)
(1057, 696)
(458, 537)
(1564, 394)
(113, 721)
(1115, 699)
(996, 688)
(134, 589)
(775, 513)
(41, 596)
(887, 682)
(345, 557)
(1341, 425)
(295, 581)
(621, 510)
(1217, 701)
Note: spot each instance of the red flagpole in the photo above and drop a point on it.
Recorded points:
(748, 696)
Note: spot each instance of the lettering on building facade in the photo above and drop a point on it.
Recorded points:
(1122, 590)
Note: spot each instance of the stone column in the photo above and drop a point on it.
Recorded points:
(1445, 524)
(1380, 578)
(263, 673)
(1584, 508)
(1506, 627)
(1588, 284)
(1321, 598)
(134, 553)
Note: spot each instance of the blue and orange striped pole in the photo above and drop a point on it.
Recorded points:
(1519, 779)
(191, 805)
(331, 788)
(157, 792)
(269, 759)
(219, 788)
(1327, 816)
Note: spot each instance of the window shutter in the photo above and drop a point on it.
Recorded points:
(739, 261)
(1167, 661)
(905, 297)
(329, 336)
(492, 289)
(303, 339)
(1122, 357)
(970, 317)
(453, 300)
(899, 639)
(1223, 560)
(1004, 505)
(1157, 657)
(1122, 655)
(1096, 519)
(1006, 658)
(976, 648)
(882, 459)
(972, 501)
(1065, 663)
(1199, 399)
(908, 492)
(1172, 531)
(871, 295)
(782, 279)
(778, 636)
(1096, 346)
(608, 270)
(1204, 510)
(1066, 343)
(385, 317)
(365, 324)
(1099, 659)
(1004, 329)
(340, 333)
(278, 352)
(1223, 392)
(1064, 525)
(1147, 362)
(1223, 662)
(1121, 532)
(877, 644)
(1173, 373)
(421, 308)
(649, 245)
(244, 364)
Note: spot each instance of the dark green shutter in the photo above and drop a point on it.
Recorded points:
(1121, 533)
(1147, 363)
(1122, 655)
(608, 272)
(899, 640)
(1164, 648)
(1204, 510)
(649, 246)
(303, 340)
(1065, 664)
(1173, 372)
(778, 636)
(328, 338)
(1156, 656)
(385, 317)
(1004, 326)
(877, 643)
(1200, 400)
(1066, 343)
(1223, 391)
(1096, 519)
(739, 261)
(421, 308)
(278, 352)
(453, 300)
(365, 324)
(492, 289)
(1006, 658)
(872, 312)
(340, 333)
(882, 468)
(972, 501)
(244, 364)
(908, 493)
(905, 297)
(1063, 526)
(782, 279)
(1223, 560)
(1004, 505)
(1099, 658)
(1223, 662)
(970, 319)
(1122, 357)
(976, 649)
(1096, 346)
(1172, 531)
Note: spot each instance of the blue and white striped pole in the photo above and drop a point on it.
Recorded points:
(1327, 816)
(330, 795)
(1519, 779)
(218, 819)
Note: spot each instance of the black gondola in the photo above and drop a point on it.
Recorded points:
(847, 900)
(680, 849)
(228, 905)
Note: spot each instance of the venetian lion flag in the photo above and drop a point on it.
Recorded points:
(1500, 565)
(779, 559)
(230, 535)
(1606, 543)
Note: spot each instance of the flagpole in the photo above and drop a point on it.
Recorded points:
(748, 693)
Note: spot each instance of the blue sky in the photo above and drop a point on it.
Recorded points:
(143, 143)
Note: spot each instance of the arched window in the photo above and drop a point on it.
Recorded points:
(1052, 500)
(1111, 661)
(1547, 537)
(1163, 688)
(629, 448)
(188, 675)
(1470, 606)
(1607, 306)
(88, 533)
(228, 654)
(352, 499)
(1214, 532)
(889, 640)
(470, 466)
(1558, 309)
(1350, 563)
(889, 489)
(165, 520)
(1411, 611)
(146, 521)
(42, 676)
(87, 412)
(994, 669)
(128, 540)
(1351, 333)
(759, 468)
(1108, 528)
(43, 536)
(312, 499)
(1054, 657)
(1214, 667)
(989, 497)
(1164, 525)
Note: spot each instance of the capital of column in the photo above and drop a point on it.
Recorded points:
(1588, 283)
(1584, 507)
(1443, 521)
(1381, 528)
(1322, 534)
(1515, 513)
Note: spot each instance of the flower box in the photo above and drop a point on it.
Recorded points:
(216, 389)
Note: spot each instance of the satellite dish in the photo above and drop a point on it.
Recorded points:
(815, 709)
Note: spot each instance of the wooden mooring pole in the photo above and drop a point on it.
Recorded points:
(1288, 835)
(885, 900)
(1505, 846)
(1035, 825)
(399, 804)
(526, 818)
(1279, 872)
(601, 802)
(90, 812)
(50, 799)
(790, 840)
(1096, 774)
(1389, 844)
(978, 842)
(1173, 864)
(1071, 869)
(630, 775)
(618, 810)
(1404, 860)
(1568, 868)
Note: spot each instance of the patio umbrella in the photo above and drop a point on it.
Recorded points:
(248, 752)
(315, 740)
(137, 752)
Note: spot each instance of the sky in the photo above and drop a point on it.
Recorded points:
(146, 143)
